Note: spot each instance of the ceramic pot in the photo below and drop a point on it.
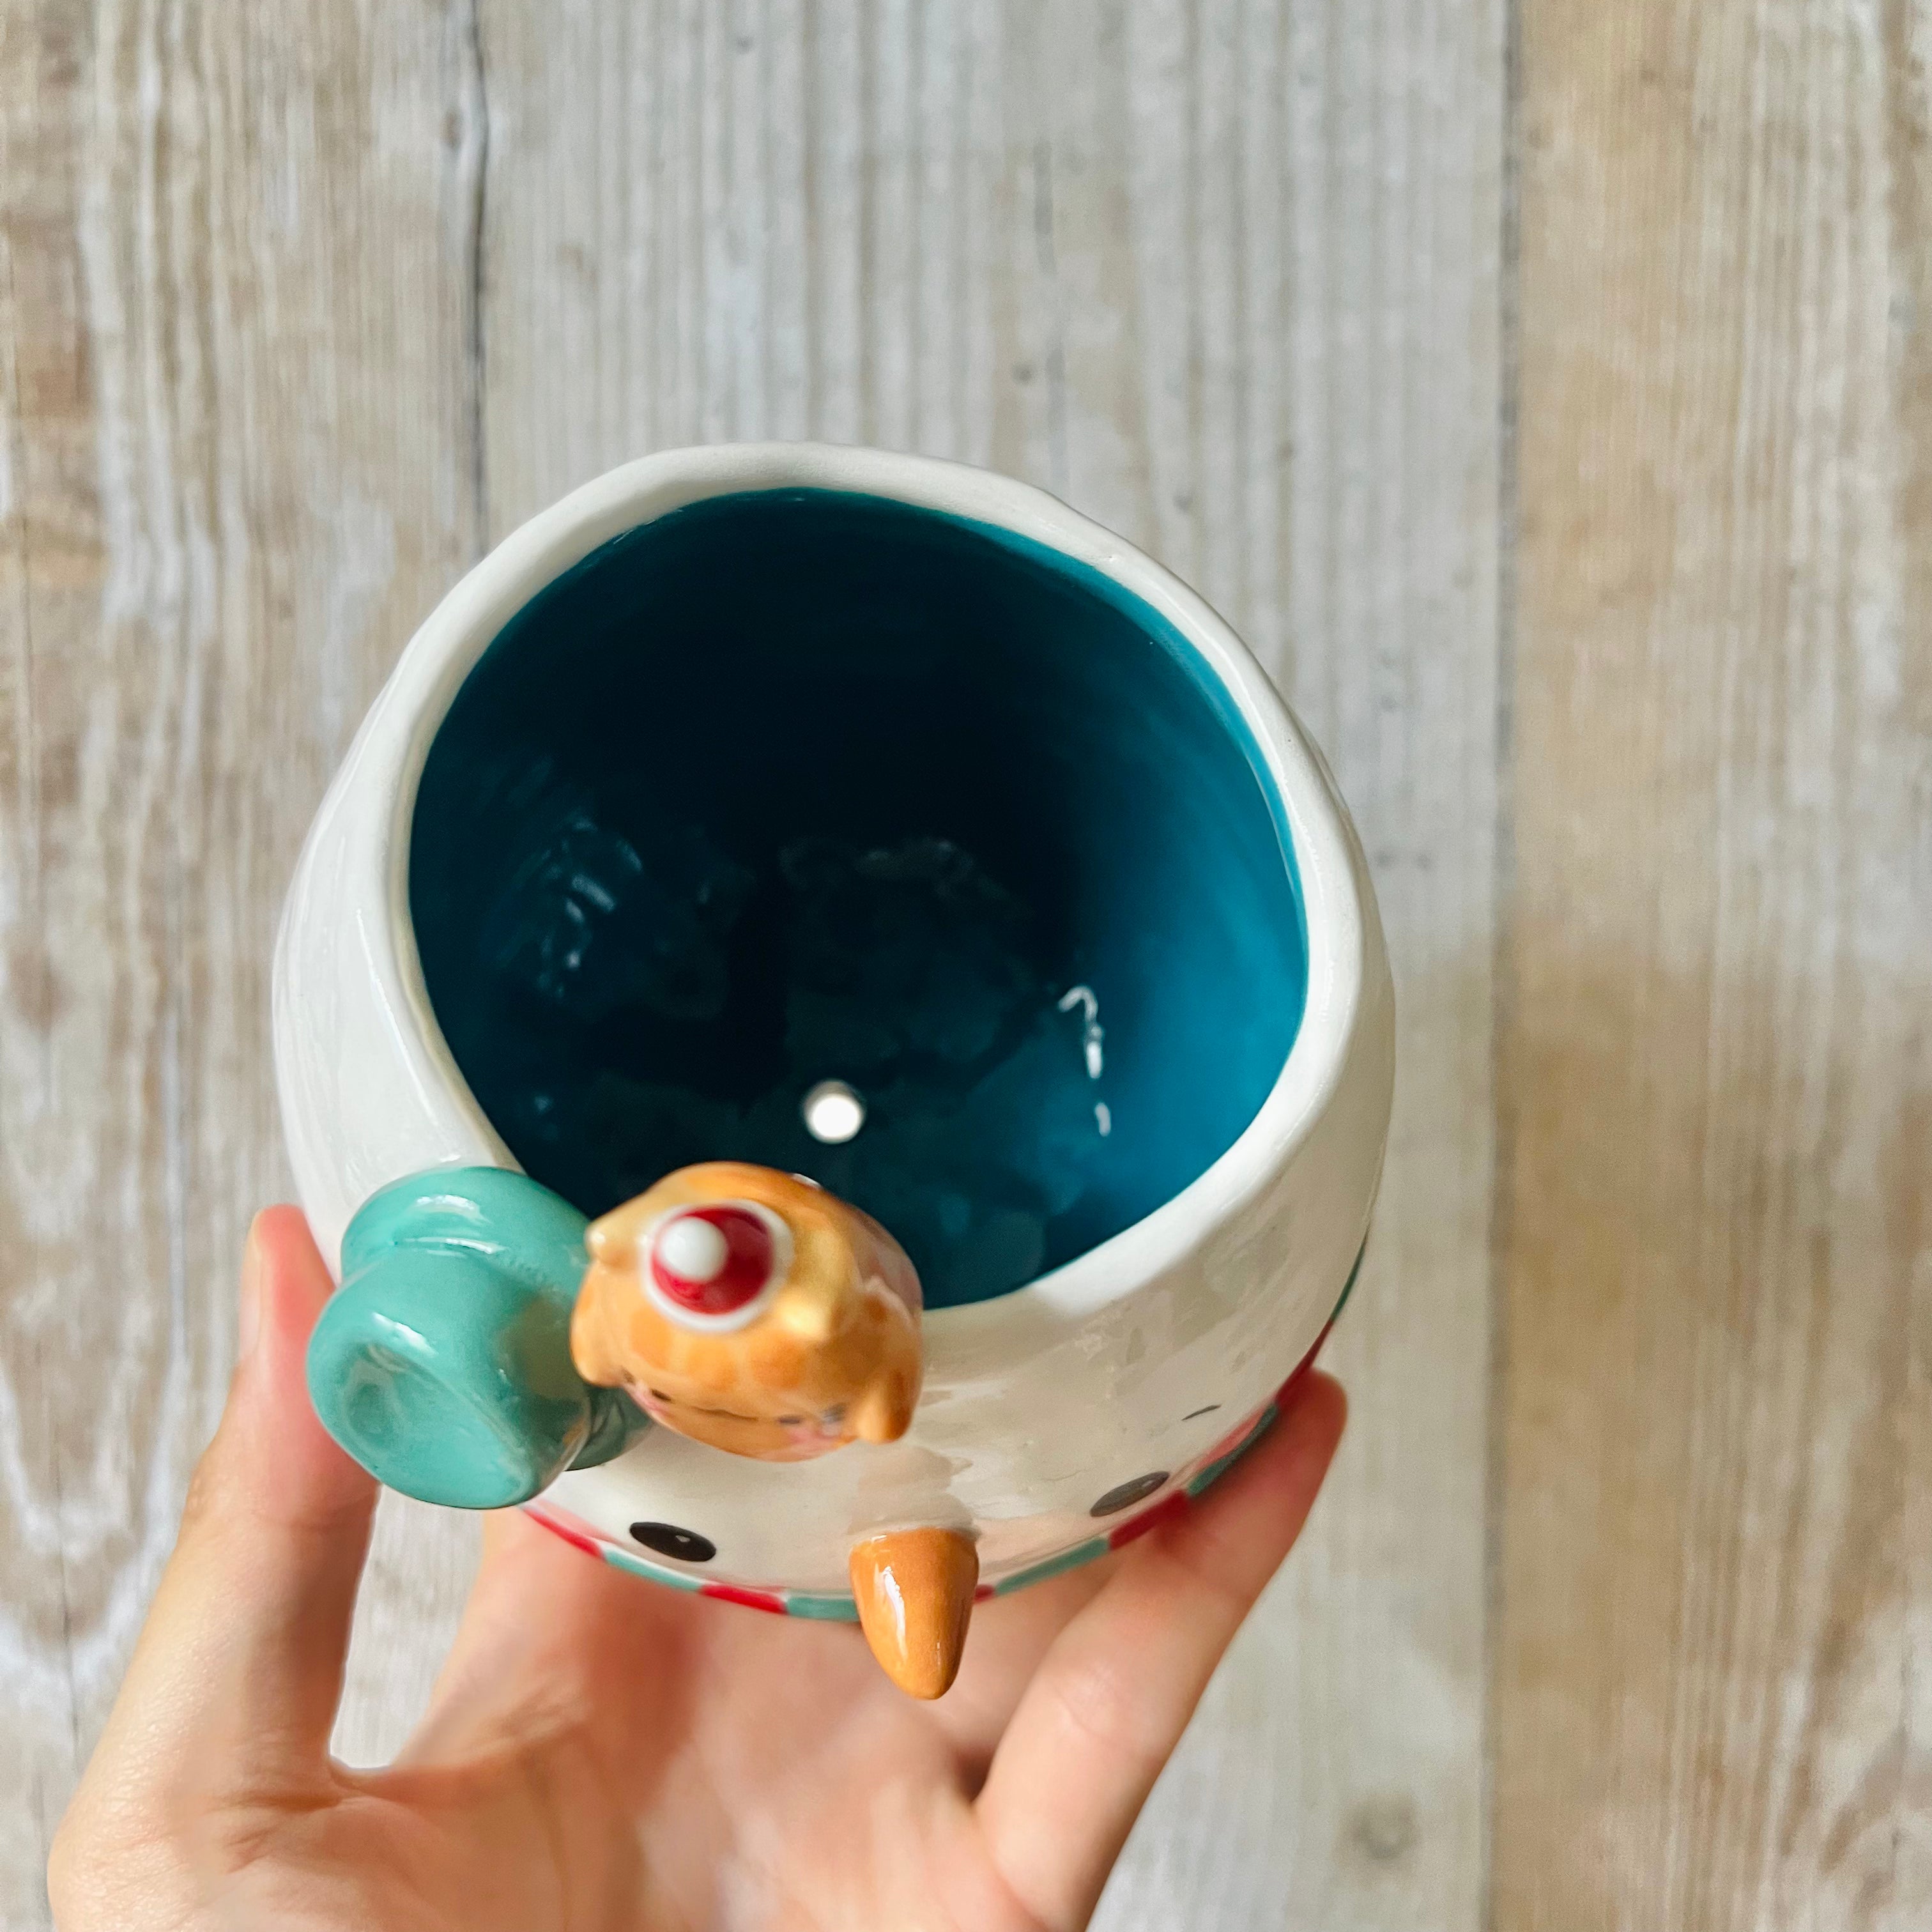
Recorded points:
(863, 817)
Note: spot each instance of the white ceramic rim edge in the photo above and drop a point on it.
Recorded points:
(455, 635)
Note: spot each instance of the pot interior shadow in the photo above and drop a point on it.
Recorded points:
(802, 788)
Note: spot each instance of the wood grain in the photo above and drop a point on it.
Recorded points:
(233, 473)
(1225, 276)
(1714, 1626)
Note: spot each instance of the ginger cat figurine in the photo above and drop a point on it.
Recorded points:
(753, 1311)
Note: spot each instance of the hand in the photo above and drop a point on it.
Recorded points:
(600, 1755)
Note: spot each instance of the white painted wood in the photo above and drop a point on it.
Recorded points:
(233, 475)
(1714, 1581)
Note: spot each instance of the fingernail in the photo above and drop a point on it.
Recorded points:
(249, 1327)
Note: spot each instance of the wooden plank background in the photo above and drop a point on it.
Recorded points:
(1544, 387)
(1712, 1703)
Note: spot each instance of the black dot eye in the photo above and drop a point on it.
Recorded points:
(1193, 1412)
(1126, 1495)
(667, 1539)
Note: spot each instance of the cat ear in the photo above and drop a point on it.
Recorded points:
(883, 1410)
(612, 1238)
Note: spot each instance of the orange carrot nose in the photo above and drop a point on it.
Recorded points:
(914, 1589)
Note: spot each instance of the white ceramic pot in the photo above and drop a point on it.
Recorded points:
(1130, 1368)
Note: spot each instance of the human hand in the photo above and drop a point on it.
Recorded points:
(600, 1755)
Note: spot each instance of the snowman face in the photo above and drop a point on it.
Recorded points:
(912, 1588)
(1113, 1453)
(589, 1508)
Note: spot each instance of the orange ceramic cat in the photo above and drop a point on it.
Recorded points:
(753, 1311)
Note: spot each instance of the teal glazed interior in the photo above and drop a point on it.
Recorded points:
(801, 785)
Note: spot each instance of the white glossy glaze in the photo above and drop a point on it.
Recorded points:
(1035, 1404)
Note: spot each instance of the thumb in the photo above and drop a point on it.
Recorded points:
(239, 1671)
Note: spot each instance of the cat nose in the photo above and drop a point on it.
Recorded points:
(712, 1260)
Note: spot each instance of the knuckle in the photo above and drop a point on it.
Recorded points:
(202, 1504)
(1101, 1700)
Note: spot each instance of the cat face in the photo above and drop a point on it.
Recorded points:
(751, 1311)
